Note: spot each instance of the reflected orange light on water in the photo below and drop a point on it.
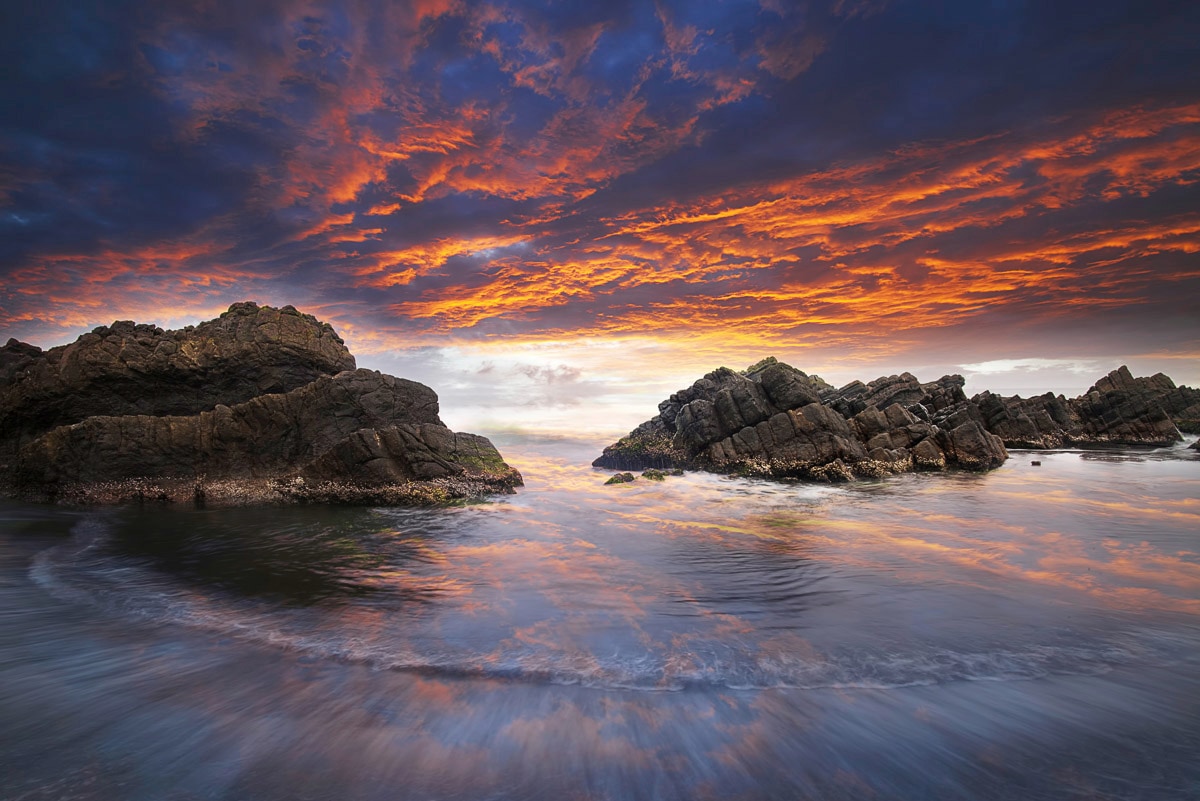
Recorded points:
(1021, 533)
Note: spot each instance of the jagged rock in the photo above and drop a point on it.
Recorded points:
(1123, 418)
(15, 356)
(649, 445)
(1118, 410)
(775, 420)
(971, 446)
(1182, 404)
(945, 393)
(1040, 422)
(853, 398)
(262, 409)
(785, 386)
(407, 452)
(928, 456)
(130, 369)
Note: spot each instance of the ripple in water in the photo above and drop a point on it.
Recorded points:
(1029, 634)
(675, 588)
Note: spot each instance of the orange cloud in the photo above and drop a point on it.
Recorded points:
(384, 186)
(863, 225)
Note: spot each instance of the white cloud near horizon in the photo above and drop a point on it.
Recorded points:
(996, 366)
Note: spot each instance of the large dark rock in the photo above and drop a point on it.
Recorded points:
(853, 398)
(260, 404)
(15, 356)
(775, 420)
(1118, 410)
(1039, 422)
(1182, 404)
(129, 369)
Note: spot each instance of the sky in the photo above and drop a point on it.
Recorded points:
(555, 214)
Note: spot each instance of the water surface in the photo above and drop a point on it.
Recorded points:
(1029, 633)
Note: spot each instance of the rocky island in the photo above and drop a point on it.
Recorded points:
(258, 405)
(776, 421)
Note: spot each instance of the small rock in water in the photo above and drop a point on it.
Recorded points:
(653, 475)
(1036, 463)
(620, 478)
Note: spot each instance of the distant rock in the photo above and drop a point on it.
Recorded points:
(774, 420)
(1118, 410)
(1182, 404)
(261, 404)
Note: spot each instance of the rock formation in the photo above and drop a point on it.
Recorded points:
(260, 404)
(774, 420)
(131, 369)
(1182, 404)
(1118, 410)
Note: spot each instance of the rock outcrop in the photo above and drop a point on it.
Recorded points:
(1118, 410)
(1182, 404)
(260, 404)
(131, 369)
(774, 420)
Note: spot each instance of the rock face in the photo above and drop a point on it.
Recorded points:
(130, 369)
(774, 420)
(260, 404)
(1118, 410)
(1182, 404)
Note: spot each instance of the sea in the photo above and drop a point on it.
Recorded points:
(1028, 633)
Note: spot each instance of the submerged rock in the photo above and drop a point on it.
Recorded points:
(774, 420)
(621, 478)
(261, 404)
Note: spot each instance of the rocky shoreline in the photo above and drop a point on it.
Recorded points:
(203, 492)
(261, 405)
(265, 405)
(773, 420)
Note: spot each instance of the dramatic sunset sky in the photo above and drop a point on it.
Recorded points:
(546, 210)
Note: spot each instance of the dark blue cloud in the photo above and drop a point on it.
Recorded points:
(319, 149)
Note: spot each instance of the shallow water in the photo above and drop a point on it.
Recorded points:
(1029, 633)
